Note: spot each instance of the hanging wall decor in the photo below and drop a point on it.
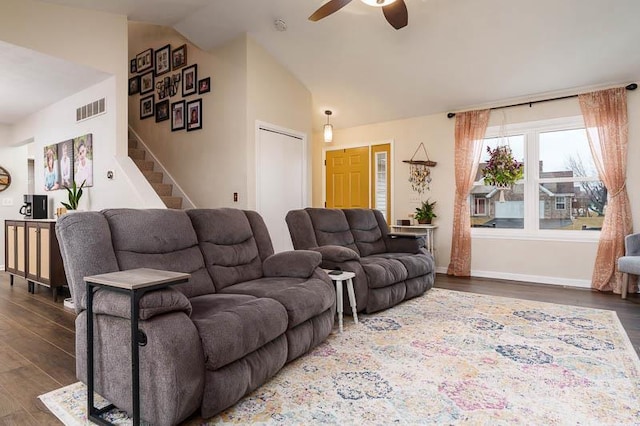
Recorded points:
(420, 171)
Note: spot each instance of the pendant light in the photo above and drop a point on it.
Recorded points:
(378, 3)
(328, 128)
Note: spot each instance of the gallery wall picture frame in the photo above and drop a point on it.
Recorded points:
(134, 85)
(204, 85)
(66, 161)
(146, 82)
(146, 107)
(194, 115)
(162, 110)
(144, 60)
(83, 160)
(190, 80)
(51, 168)
(163, 60)
(177, 116)
(179, 57)
(133, 68)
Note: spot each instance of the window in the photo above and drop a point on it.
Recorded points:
(480, 206)
(561, 190)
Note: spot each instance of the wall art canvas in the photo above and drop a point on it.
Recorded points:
(51, 168)
(83, 160)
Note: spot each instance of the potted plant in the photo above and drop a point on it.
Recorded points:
(425, 213)
(75, 193)
(502, 170)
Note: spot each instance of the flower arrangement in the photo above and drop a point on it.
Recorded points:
(502, 170)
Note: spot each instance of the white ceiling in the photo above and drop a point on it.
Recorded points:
(454, 54)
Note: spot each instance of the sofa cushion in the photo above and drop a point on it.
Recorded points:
(302, 298)
(159, 239)
(382, 271)
(331, 228)
(232, 326)
(228, 245)
(366, 231)
(416, 264)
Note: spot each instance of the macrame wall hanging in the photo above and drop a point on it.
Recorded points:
(420, 170)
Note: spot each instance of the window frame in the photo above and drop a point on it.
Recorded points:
(531, 131)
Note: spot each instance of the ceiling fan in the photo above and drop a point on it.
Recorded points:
(395, 11)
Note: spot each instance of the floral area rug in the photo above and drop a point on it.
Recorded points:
(446, 357)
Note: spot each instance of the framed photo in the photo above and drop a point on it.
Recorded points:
(83, 160)
(134, 85)
(65, 158)
(146, 107)
(163, 60)
(162, 111)
(194, 115)
(177, 116)
(144, 60)
(133, 68)
(190, 80)
(146, 83)
(51, 173)
(179, 57)
(204, 85)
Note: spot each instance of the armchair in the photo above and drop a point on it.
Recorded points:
(630, 262)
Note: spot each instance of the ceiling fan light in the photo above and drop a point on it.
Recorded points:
(378, 3)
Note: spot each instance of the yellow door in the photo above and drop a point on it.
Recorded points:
(381, 179)
(348, 178)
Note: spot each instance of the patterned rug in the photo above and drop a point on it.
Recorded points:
(446, 358)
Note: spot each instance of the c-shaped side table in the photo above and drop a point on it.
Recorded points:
(135, 283)
(338, 279)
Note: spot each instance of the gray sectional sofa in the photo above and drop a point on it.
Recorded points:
(388, 270)
(244, 313)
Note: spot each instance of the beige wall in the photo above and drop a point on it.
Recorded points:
(560, 262)
(247, 84)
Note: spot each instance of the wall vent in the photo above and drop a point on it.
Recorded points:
(91, 110)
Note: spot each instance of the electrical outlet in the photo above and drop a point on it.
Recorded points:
(235, 197)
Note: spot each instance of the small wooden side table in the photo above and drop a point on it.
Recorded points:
(135, 283)
(338, 280)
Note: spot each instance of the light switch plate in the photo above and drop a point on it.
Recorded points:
(7, 201)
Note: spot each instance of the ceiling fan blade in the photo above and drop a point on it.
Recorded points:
(328, 8)
(396, 14)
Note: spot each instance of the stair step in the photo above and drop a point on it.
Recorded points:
(133, 143)
(152, 177)
(163, 189)
(136, 154)
(172, 202)
(144, 165)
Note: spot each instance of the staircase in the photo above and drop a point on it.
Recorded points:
(164, 190)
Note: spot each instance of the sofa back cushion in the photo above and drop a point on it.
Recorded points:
(159, 239)
(366, 230)
(331, 228)
(228, 244)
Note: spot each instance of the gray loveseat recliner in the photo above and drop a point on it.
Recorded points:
(388, 270)
(244, 313)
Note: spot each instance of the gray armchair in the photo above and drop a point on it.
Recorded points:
(630, 262)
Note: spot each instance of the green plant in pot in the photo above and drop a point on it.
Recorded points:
(425, 213)
(75, 193)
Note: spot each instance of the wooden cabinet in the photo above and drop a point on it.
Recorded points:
(32, 252)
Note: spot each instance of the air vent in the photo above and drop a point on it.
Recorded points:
(91, 110)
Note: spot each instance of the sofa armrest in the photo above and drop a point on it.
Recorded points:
(632, 245)
(153, 303)
(404, 243)
(336, 253)
(297, 264)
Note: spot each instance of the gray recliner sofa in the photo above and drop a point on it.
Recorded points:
(387, 270)
(244, 313)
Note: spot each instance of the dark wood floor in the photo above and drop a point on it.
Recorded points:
(37, 336)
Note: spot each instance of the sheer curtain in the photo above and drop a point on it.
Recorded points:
(605, 116)
(470, 129)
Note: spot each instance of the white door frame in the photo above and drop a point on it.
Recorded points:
(305, 157)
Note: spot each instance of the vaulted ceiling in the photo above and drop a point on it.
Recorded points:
(453, 54)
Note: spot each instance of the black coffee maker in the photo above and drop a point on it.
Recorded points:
(35, 207)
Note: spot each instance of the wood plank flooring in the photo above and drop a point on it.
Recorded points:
(37, 352)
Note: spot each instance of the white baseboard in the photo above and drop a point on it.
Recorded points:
(2, 268)
(569, 282)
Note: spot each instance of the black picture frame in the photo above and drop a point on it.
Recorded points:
(133, 67)
(146, 107)
(162, 111)
(177, 116)
(179, 57)
(144, 60)
(204, 85)
(190, 80)
(194, 115)
(163, 60)
(146, 82)
(134, 85)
